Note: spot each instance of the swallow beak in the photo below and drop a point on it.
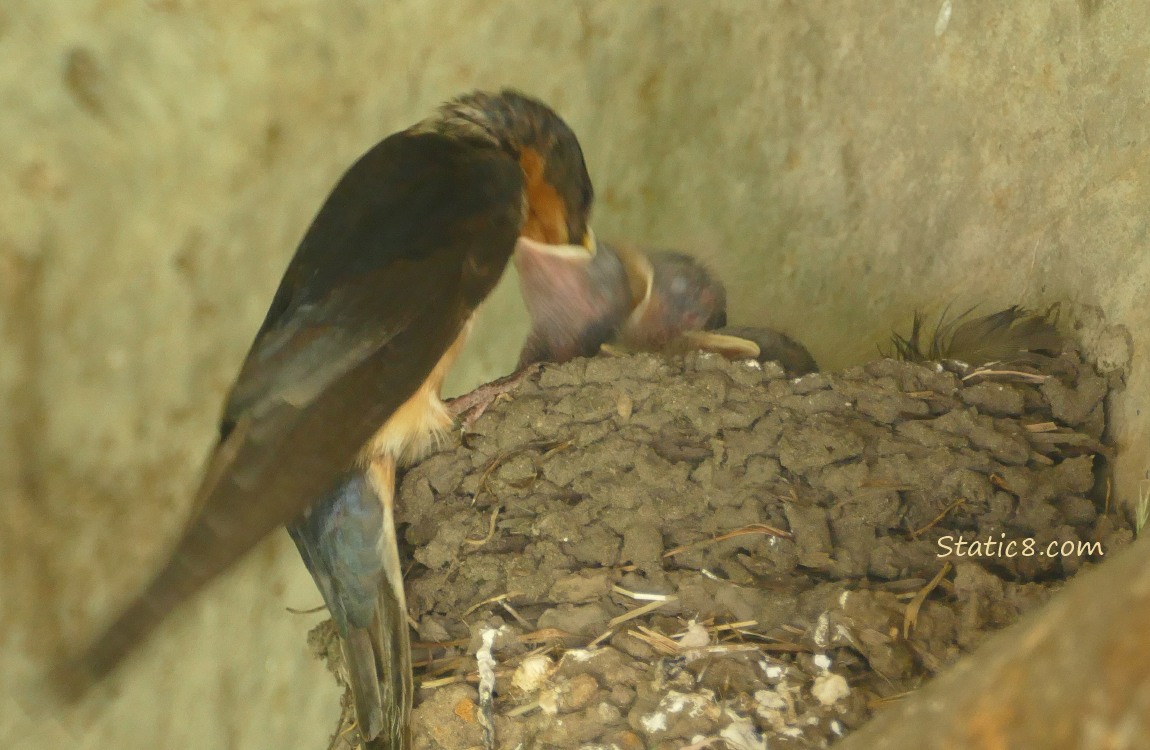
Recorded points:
(532, 255)
(640, 277)
(589, 242)
(731, 347)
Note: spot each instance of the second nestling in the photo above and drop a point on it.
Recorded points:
(620, 297)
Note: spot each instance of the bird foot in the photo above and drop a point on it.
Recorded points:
(469, 407)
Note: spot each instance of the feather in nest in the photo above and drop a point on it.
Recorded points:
(1015, 334)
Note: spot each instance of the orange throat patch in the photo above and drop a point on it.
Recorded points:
(546, 215)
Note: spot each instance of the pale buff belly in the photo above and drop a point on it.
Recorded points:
(422, 421)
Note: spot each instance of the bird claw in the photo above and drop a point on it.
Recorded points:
(469, 407)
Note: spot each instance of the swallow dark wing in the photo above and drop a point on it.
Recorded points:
(408, 243)
(390, 241)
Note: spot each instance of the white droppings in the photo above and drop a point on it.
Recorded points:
(772, 671)
(695, 637)
(530, 675)
(822, 661)
(838, 728)
(675, 702)
(741, 734)
(822, 629)
(943, 19)
(769, 700)
(656, 722)
(830, 688)
(486, 663)
(842, 598)
(777, 707)
(483, 656)
(581, 654)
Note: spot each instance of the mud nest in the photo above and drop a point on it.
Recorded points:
(682, 553)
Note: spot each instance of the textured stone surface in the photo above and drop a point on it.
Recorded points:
(838, 163)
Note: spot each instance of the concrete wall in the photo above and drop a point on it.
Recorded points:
(839, 163)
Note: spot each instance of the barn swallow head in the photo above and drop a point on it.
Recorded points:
(675, 294)
(557, 188)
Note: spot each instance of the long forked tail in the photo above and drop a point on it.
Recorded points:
(393, 647)
(347, 540)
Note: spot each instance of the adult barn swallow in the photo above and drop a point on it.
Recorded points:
(345, 372)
